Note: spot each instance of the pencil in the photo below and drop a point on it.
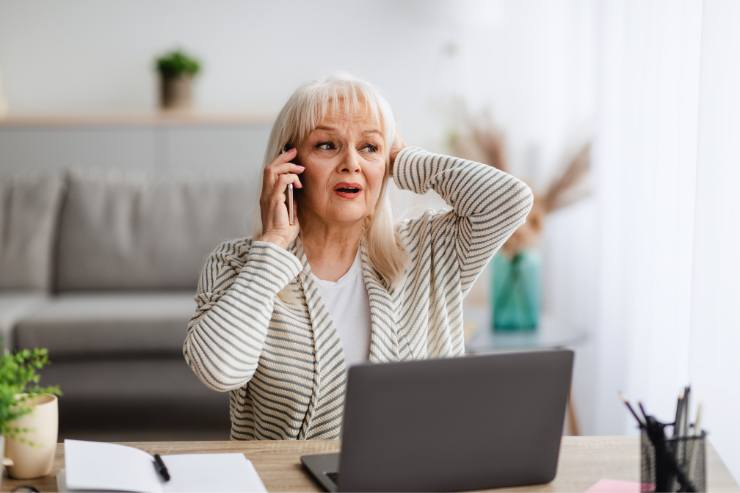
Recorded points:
(632, 411)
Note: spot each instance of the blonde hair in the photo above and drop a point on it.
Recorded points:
(303, 112)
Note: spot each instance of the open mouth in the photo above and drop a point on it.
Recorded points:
(348, 190)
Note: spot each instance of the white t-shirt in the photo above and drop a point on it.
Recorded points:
(349, 307)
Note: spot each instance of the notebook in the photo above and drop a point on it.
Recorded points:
(101, 466)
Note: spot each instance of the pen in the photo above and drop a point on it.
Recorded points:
(685, 425)
(642, 409)
(632, 411)
(677, 420)
(687, 410)
(161, 468)
(696, 444)
(697, 422)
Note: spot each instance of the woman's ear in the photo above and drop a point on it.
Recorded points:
(396, 146)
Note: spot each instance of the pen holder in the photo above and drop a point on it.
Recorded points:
(658, 471)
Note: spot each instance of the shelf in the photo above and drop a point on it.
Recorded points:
(154, 118)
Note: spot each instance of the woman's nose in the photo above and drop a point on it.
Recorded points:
(350, 162)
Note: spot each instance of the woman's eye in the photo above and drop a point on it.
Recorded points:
(371, 147)
(325, 146)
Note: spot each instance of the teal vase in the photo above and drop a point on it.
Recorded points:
(516, 292)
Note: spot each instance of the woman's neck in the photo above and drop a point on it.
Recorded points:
(330, 249)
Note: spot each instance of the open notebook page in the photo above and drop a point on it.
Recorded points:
(101, 466)
(108, 466)
(211, 472)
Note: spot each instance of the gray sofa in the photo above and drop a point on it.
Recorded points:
(101, 269)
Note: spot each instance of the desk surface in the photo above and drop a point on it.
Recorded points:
(583, 461)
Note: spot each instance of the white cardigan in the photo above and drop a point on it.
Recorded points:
(282, 362)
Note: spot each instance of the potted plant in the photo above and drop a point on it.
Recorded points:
(176, 71)
(20, 397)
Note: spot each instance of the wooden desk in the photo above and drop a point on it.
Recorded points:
(583, 461)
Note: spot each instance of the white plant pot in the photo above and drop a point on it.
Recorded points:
(2, 459)
(36, 459)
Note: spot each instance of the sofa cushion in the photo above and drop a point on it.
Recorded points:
(29, 206)
(107, 325)
(15, 306)
(123, 231)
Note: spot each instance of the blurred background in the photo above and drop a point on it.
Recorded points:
(128, 127)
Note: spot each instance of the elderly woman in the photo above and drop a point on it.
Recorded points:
(282, 315)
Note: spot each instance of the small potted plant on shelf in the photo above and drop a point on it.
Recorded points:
(28, 414)
(176, 72)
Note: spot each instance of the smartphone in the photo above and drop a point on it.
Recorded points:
(289, 192)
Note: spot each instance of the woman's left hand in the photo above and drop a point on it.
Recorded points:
(398, 144)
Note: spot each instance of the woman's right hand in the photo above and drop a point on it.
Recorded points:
(276, 227)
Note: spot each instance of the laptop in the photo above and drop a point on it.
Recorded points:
(475, 422)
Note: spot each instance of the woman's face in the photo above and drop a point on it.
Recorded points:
(344, 160)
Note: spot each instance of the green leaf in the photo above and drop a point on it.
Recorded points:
(19, 384)
(176, 64)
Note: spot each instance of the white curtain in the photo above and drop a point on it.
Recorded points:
(714, 361)
(667, 173)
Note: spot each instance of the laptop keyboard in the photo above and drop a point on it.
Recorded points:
(334, 476)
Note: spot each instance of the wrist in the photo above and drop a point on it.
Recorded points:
(277, 240)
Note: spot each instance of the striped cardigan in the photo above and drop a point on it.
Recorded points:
(282, 361)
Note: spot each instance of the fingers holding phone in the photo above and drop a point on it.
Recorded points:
(278, 179)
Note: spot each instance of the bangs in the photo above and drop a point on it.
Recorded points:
(339, 94)
(348, 98)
